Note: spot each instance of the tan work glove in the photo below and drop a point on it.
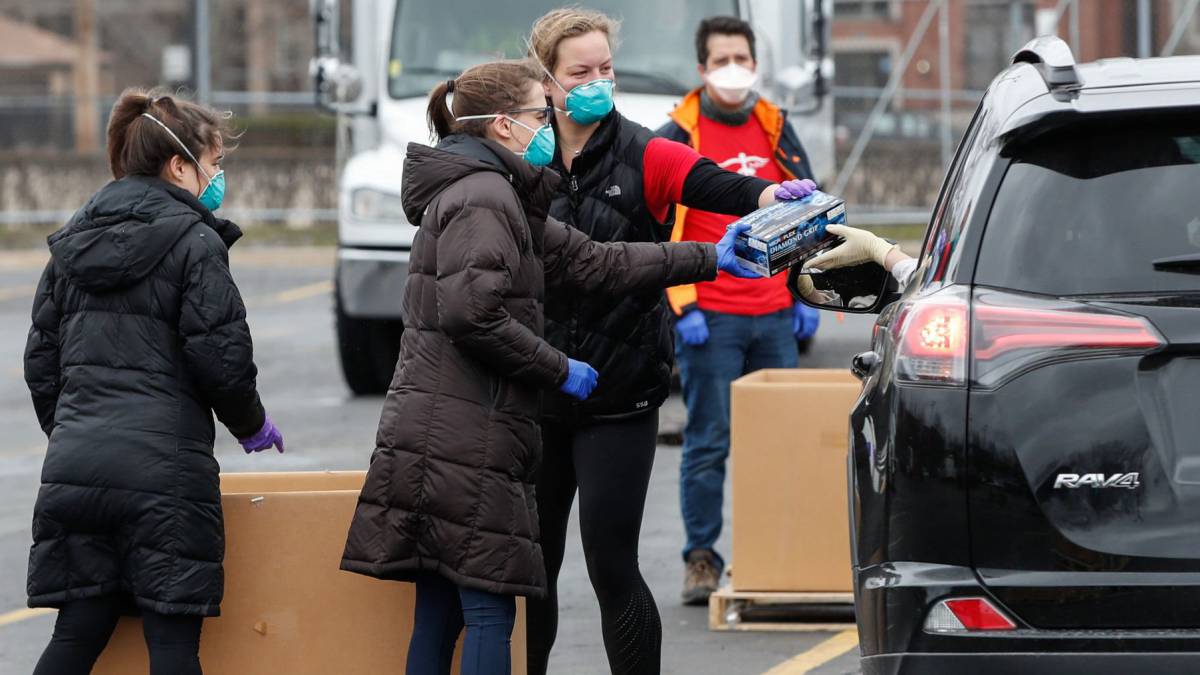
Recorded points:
(860, 246)
(801, 287)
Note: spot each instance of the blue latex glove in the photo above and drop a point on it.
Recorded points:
(693, 329)
(267, 436)
(581, 380)
(726, 260)
(794, 189)
(805, 320)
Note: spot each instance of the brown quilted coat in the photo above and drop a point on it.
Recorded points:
(451, 483)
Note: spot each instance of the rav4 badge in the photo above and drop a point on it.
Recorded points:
(1128, 481)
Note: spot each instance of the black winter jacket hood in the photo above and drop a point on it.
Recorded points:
(429, 171)
(120, 236)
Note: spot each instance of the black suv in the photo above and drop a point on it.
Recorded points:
(1025, 457)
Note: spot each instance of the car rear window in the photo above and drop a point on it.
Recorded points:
(1087, 209)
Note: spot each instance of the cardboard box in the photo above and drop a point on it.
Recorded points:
(785, 233)
(788, 461)
(287, 607)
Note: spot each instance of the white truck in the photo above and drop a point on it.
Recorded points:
(399, 49)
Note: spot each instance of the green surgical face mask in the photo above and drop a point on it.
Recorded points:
(539, 151)
(588, 102)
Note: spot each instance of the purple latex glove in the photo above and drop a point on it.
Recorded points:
(267, 436)
(789, 190)
(726, 259)
(805, 320)
(692, 328)
(581, 380)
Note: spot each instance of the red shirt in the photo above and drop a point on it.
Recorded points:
(665, 167)
(745, 149)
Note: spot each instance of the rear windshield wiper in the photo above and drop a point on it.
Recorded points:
(1189, 263)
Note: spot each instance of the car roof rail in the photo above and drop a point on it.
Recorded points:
(1054, 62)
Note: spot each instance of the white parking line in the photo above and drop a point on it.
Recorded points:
(821, 653)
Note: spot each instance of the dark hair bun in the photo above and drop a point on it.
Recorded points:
(138, 146)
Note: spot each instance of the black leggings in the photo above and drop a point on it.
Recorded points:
(84, 626)
(610, 463)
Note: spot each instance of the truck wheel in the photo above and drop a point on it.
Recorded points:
(368, 349)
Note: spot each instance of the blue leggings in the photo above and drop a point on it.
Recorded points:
(441, 613)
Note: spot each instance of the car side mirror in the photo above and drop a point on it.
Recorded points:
(857, 289)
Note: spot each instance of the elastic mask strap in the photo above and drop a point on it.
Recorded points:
(521, 124)
(486, 117)
(529, 48)
(185, 148)
(517, 122)
(476, 117)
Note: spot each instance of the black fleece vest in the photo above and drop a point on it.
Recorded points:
(626, 339)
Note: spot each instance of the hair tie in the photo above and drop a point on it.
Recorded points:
(450, 96)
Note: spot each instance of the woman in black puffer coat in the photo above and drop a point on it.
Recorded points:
(139, 335)
(449, 500)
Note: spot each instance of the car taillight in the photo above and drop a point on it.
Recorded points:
(1000, 335)
(967, 615)
(933, 339)
(1012, 333)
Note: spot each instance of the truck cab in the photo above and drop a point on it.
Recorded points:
(377, 60)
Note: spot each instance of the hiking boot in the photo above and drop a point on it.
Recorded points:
(701, 578)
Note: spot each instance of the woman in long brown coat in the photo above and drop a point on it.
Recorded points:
(449, 499)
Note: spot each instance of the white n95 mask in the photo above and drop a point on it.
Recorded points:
(732, 82)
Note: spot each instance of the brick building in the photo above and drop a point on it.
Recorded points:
(870, 35)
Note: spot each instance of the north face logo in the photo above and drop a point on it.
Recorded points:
(613, 191)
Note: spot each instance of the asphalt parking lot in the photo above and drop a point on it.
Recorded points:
(288, 295)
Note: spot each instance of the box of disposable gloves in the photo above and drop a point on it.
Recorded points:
(785, 233)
